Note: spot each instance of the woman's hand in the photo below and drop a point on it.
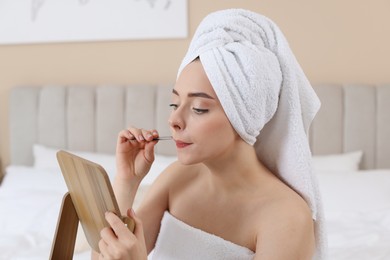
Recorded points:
(135, 152)
(118, 242)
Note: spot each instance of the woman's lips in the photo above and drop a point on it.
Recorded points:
(181, 144)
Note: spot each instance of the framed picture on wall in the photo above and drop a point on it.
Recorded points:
(39, 21)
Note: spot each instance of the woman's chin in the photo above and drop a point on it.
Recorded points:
(187, 160)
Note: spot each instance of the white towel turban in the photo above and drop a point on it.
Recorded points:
(265, 95)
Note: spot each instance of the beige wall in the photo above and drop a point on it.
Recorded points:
(335, 42)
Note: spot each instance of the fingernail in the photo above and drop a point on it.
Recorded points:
(148, 136)
(141, 138)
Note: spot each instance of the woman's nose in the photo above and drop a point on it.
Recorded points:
(175, 120)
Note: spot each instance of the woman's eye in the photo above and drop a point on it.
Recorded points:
(174, 106)
(200, 111)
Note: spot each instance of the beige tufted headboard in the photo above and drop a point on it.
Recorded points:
(352, 117)
(83, 118)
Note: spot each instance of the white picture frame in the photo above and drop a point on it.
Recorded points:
(40, 21)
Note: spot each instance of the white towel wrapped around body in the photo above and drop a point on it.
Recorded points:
(179, 241)
(265, 95)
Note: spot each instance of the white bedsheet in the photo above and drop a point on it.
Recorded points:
(357, 212)
(359, 235)
(30, 200)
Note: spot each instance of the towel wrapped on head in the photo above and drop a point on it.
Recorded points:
(265, 95)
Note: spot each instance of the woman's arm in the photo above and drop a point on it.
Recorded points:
(134, 157)
(149, 214)
(286, 234)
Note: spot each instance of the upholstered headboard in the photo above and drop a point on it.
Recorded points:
(354, 117)
(81, 118)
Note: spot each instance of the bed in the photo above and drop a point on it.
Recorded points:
(348, 139)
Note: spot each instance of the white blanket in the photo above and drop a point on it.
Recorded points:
(30, 201)
(356, 204)
(357, 214)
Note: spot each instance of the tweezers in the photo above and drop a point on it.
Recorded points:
(162, 138)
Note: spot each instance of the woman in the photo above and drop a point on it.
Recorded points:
(224, 199)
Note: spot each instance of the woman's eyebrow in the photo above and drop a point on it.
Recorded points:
(200, 94)
(175, 92)
(195, 94)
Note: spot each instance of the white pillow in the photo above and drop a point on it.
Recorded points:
(45, 158)
(337, 162)
(362, 191)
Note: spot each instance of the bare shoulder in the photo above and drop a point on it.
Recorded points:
(178, 174)
(287, 207)
(175, 176)
(157, 198)
(286, 220)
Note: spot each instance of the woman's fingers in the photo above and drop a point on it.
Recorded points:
(149, 151)
(118, 242)
(109, 244)
(142, 134)
(108, 234)
(120, 229)
(149, 135)
(135, 138)
(135, 134)
(139, 230)
(114, 238)
(103, 247)
(135, 151)
(155, 133)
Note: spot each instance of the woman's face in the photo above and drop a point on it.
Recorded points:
(198, 123)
